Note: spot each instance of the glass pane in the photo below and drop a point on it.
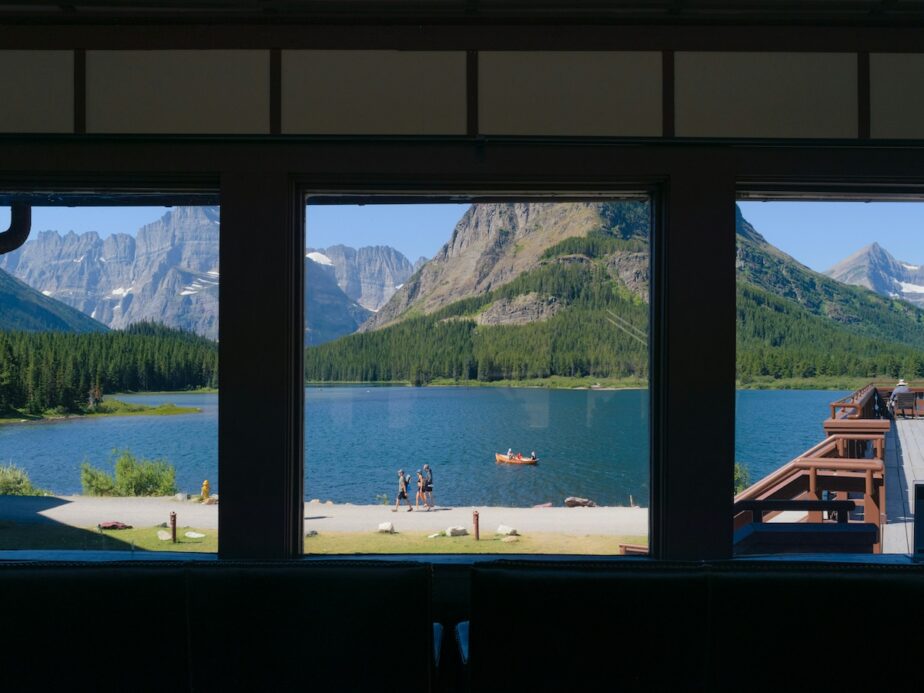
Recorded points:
(446, 346)
(830, 325)
(108, 377)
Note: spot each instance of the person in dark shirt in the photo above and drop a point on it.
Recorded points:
(428, 486)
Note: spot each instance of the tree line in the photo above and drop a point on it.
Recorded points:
(56, 370)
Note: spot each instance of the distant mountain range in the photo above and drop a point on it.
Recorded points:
(874, 268)
(169, 273)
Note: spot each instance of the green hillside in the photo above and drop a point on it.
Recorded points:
(792, 322)
(24, 308)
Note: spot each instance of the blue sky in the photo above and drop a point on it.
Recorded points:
(818, 234)
(104, 220)
(415, 230)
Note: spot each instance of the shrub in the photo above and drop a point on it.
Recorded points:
(14, 481)
(742, 477)
(133, 477)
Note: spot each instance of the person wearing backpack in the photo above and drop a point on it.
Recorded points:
(403, 482)
(428, 486)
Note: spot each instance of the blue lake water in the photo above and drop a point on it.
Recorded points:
(591, 443)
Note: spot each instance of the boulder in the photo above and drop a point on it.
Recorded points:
(180, 497)
(386, 528)
(194, 535)
(510, 539)
(434, 536)
(164, 535)
(507, 531)
(311, 533)
(316, 501)
(456, 531)
(575, 502)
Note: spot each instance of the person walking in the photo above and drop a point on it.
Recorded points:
(420, 490)
(403, 481)
(428, 486)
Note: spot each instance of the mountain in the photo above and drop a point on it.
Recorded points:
(168, 273)
(495, 243)
(329, 312)
(369, 275)
(874, 268)
(532, 290)
(852, 308)
(22, 308)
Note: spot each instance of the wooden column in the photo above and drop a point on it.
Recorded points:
(260, 365)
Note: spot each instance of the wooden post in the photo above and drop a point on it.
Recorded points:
(871, 510)
(813, 515)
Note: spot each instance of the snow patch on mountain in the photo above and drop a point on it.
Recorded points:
(320, 258)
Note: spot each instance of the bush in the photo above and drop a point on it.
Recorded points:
(742, 477)
(132, 477)
(14, 481)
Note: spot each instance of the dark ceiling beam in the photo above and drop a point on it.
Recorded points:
(468, 35)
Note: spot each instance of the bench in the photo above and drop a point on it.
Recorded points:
(216, 626)
(904, 401)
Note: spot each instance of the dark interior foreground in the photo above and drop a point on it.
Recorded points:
(262, 617)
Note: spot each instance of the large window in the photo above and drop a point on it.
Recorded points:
(108, 380)
(479, 367)
(830, 336)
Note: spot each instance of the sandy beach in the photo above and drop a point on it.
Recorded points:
(85, 511)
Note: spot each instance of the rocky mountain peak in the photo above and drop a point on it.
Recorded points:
(492, 244)
(873, 267)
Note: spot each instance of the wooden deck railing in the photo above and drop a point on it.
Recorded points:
(837, 467)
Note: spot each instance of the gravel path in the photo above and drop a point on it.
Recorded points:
(81, 511)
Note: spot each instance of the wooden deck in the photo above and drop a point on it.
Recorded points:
(904, 466)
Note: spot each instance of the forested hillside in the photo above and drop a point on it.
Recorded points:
(47, 370)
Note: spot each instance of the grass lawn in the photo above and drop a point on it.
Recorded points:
(417, 542)
(59, 537)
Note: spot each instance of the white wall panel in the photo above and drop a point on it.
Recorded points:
(373, 93)
(797, 95)
(182, 91)
(896, 92)
(570, 93)
(36, 91)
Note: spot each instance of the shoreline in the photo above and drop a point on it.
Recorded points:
(123, 409)
(89, 511)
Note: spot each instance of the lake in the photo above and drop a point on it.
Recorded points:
(591, 443)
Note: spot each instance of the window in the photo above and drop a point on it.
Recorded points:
(830, 325)
(108, 377)
(494, 351)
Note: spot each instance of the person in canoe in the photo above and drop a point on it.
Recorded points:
(532, 455)
(509, 453)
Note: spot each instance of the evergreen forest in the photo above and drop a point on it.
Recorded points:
(63, 371)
